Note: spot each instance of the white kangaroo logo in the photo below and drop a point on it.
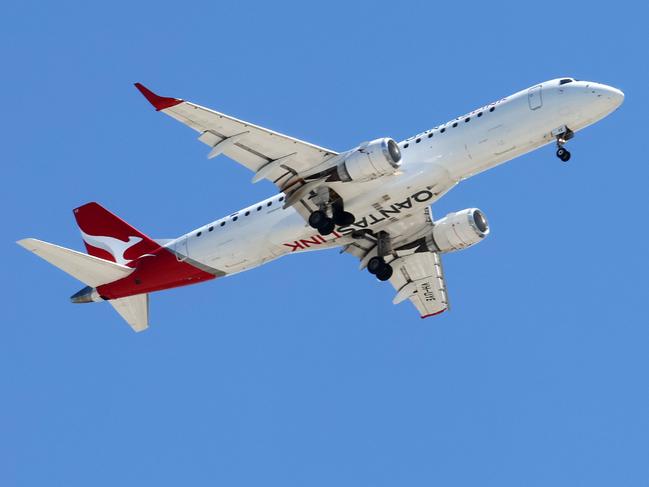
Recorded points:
(114, 246)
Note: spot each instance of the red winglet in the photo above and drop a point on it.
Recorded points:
(159, 102)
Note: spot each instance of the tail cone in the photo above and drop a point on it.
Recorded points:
(86, 295)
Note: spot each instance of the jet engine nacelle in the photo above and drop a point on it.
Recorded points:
(370, 161)
(459, 230)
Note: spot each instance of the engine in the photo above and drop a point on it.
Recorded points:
(459, 230)
(370, 161)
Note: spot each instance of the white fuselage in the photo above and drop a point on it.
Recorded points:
(433, 162)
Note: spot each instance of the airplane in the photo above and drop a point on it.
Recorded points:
(373, 201)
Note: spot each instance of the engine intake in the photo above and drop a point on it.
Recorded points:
(459, 230)
(370, 161)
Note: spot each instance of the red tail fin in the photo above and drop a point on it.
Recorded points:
(109, 237)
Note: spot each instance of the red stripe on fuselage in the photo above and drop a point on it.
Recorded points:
(155, 272)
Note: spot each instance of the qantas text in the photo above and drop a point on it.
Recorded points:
(371, 219)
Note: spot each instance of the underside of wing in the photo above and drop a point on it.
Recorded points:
(420, 278)
(417, 273)
(270, 155)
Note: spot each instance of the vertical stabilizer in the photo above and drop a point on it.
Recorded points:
(109, 237)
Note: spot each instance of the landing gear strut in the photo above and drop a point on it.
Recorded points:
(377, 265)
(563, 135)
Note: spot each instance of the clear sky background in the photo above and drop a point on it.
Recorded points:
(302, 372)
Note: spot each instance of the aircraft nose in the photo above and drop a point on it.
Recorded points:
(617, 96)
(614, 96)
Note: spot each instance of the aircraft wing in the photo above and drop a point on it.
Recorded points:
(419, 277)
(418, 273)
(270, 155)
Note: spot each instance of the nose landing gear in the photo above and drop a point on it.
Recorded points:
(563, 154)
(563, 134)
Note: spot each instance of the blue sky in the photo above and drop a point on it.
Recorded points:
(302, 372)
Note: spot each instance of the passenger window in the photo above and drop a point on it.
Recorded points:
(479, 114)
(443, 130)
(258, 208)
(222, 223)
(405, 146)
(269, 203)
(199, 234)
(455, 124)
(281, 198)
(235, 218)
(247, 213)
(430, 135)
(417, 141)
(210, 229)
(492, 109)
(467, 119)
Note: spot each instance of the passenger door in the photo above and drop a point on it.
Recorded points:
(535, 97)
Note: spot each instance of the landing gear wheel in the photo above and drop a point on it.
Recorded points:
(344, 218)
(563, 154)
(563, 134)
(317, 219)
(375, 264)
(327, 227)
(384, 273)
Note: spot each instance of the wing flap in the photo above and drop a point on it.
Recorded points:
(259, 146)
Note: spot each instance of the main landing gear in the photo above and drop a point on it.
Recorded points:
(382, 270)
(325, 224)
(377, 265)
(563, 135)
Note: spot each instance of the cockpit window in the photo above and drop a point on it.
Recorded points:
(566, 80)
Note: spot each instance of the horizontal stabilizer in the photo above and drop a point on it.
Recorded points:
(134, 309)
(90, 270)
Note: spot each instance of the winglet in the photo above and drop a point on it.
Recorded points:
(158, 102)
